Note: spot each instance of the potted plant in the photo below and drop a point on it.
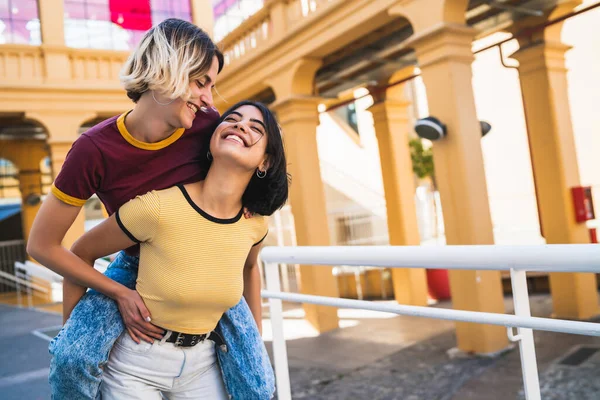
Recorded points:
(423, 168)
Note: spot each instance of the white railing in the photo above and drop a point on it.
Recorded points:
(10, 252)
(516, 259)
(29, 271)
(33, 277)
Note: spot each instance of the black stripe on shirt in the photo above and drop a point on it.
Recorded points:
(261, 240)
(120, 223)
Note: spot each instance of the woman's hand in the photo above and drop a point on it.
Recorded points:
(136, 317)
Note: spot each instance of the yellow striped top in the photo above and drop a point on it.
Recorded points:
(191, 264)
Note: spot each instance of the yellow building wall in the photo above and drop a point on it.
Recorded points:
(583, 62)
(506, 150)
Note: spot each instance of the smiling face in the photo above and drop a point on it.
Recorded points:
(241, 138)
(200, 98)
(181, 112)
(247, 140)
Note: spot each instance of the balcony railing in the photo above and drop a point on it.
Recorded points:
(32, 66)
(269, 24)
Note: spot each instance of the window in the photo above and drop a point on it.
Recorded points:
(9, 180)
(88, 23)
(229, 14)
(352, 116)
(348, 114)
(19, 22)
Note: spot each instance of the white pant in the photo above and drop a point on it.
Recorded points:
(150, 371)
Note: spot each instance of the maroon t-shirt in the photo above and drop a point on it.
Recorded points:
(108, 161)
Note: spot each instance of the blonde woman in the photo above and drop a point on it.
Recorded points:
(158, 144)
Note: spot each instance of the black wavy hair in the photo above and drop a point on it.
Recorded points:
(265, 195)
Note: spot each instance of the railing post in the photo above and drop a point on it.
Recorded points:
(18, 286)
(282, 374)
(531, 383)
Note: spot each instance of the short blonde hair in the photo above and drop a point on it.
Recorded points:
(168, 57)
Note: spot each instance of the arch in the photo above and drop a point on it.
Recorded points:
(553, 33)
(427, 14)
(295, 80)
(370, 58)
(266, 96)
(61, 126)
(17, 126)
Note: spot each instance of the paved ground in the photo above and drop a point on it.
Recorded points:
(374, 356)
(24, 357)
(407, 358)
(424, 371)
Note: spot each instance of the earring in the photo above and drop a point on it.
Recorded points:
(209, 156)
(261, 174)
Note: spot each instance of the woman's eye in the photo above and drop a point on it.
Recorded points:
(230, 119)
(200, 84)
(257, 130)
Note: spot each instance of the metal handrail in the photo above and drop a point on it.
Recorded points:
(516, 259)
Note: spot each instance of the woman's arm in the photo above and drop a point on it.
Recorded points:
(252, 285)
(105, 239)
(72, 293)
(50, 226)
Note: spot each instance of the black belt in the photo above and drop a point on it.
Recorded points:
(189, 339)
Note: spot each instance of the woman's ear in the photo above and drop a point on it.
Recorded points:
(265, 164)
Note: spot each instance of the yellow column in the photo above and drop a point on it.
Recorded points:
(278, 18)
(30, 183)
(27, 156)
(543, 78)
(52, 21)
(52, 25)
(203, 15)
(445, 57)
(298, 118)
(390, 117)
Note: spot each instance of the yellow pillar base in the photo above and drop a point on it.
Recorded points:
(478, 291)
(574, 296)
(299, 118)
(410, 286)
(319, 280)
(445, 58)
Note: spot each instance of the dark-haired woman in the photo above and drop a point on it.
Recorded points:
(197, 257)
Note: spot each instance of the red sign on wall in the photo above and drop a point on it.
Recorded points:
(583, 202)
(131, 14)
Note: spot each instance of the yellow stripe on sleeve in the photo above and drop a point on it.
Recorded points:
(65, 198)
